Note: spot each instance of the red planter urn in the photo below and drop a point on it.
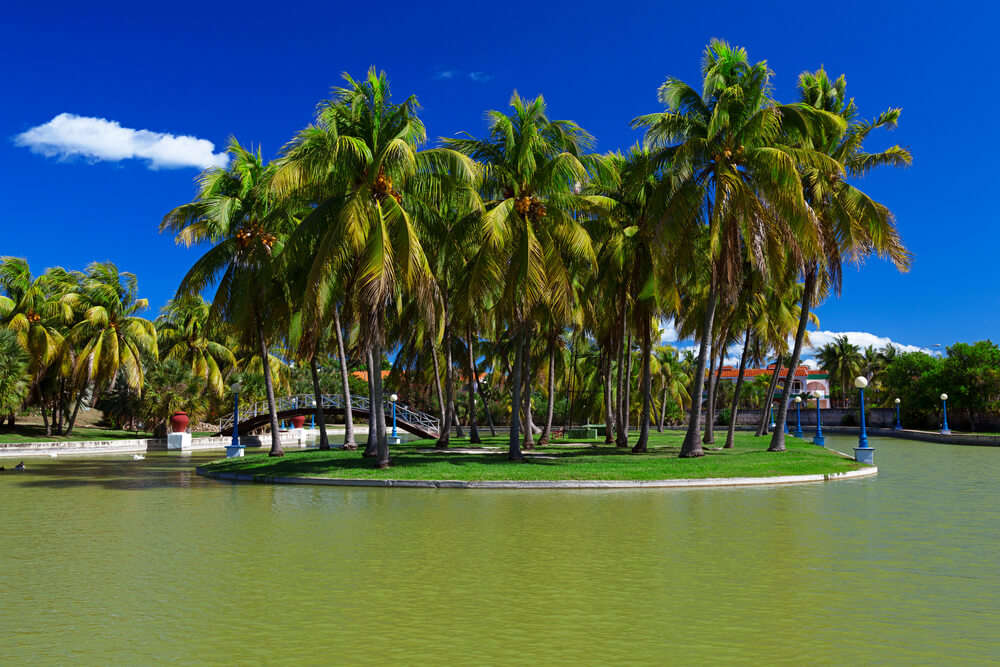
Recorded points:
(299, 421)
(179, 422)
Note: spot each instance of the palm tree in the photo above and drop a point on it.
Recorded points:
(352, 165)
(530, 234)
(31, 309)
(843, 361)
(184, 334)
(236, 213)
(113, 341)
(852, 224)
(726, 147)
(14, 379)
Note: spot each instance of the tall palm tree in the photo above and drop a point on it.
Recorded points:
(737, 175)
(236, 213)
(184, 333)
(112, 339)
(14, 378)
(530, 233)
(843, 361)
(352, 165)
(30, 308)
(852, 224)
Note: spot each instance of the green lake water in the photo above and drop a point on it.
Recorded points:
(106, 560)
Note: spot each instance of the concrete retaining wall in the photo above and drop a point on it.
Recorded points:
(19, 449)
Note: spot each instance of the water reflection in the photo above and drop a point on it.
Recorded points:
(894, 568)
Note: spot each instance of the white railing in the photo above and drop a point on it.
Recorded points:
(307, 402)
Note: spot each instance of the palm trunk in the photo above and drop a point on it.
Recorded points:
(663, 410)
(731, 433)
(763, 427)
(627, 404)
(692, 443)
(486, 406)
(345, 377)
(550, 407)
(709, 437)
(442, 406)
(621, 435)
(444, 437)
(382, 446)
(76, 409)
(514, 448)
(609, 400)
(276, 449)
(324, 442)
(45, 414)
(778, 439)
(647, 387)
(473, 428)
(529, 425)
(371, 447)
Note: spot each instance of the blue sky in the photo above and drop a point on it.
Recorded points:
(211, 70)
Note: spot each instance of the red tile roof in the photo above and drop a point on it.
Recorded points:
(731, 372)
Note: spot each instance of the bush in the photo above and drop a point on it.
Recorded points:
(849, 420)
(724, 416)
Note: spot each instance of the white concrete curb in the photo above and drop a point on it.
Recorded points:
(542, 484)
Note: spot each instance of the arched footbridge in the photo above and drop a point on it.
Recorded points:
(256, 416)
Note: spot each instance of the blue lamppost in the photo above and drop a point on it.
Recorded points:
(818, 439)
(899, 425)
(392, 399)
(944, 410)
(312, 422)
(863, 453)
(772, 416)
(798, 417)
(235, 449)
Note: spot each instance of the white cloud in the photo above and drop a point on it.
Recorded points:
(862, 339)
(98, 139)
(809, 363)
(480, 77)
(668, 333)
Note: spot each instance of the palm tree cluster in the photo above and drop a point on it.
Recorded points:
(503, 271)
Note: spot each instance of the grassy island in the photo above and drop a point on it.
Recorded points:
(563, 460)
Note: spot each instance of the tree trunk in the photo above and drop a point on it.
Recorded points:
(45, 415)
(778, 439)
(731, 433)
(621, 435)
(444, 437)
(765, 415)
(609, 399)
(324, 442)
(709, 437)
(442, 406)
(276, 449)
(692, 443)
(663, 410)
(486, 408)
(514, 448)
(474, 438)
(382, 446)
(551, 403)
(529, 425)
(627, 403)
(345, 378)
(647, 387)
(718, 369)
(371, 447)
(76, 409)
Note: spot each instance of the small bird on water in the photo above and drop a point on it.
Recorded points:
(19, 466)
(138, 457)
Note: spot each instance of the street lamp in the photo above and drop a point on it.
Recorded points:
(863, 453)
(898, 426)
(772, 415)
(798, 417)
(944, 409)
(392, 399)
(235, 449)
(312, 423)
(818, 439)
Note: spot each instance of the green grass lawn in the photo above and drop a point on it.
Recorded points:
(36, 433)
(592, 460)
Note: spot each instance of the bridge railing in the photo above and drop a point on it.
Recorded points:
(335, 401)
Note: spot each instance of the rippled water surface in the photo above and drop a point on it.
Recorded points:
(109, 560)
